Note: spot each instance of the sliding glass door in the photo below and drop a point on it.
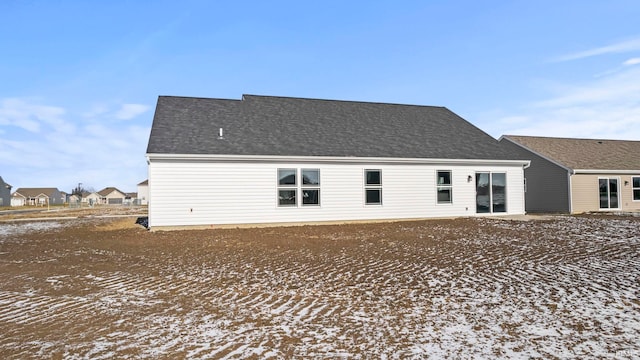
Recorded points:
(491, 192)
(608, 193)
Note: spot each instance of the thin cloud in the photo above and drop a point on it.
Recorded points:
(631, 62)
(28, 116)
(602, 108)
(69, 147)
(621, 47)
(621, 87)
(130, 111)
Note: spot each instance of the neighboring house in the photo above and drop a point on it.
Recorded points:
(131, 198)
(269, 159)
(36, 197)
(5, 193)
(80, 198)
(18, 200)
(143, 193)
(578, 175)
(91, 198)
(112, 196)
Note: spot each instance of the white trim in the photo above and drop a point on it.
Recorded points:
(570, 186)
(595, 171)
(331, 159)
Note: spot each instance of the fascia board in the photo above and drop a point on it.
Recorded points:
(597, 171)
(330, 159)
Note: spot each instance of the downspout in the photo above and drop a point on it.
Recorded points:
(524, 194)
(570, 189)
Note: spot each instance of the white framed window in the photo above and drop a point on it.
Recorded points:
(444, 188)
(373, 187)
(290, 188)
(310, 187)
(635, 187)
(287, 187)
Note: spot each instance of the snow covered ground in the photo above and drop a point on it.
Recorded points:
(7, 229)
(467, 288)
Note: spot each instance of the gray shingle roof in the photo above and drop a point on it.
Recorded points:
(267, 125)
(584, 154)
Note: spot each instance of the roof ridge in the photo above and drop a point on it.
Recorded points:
(339, 101)
(195, 97)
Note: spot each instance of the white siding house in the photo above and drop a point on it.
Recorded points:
(252, 172)
(143, 193)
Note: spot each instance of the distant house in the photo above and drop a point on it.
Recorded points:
(91, 198)
(73, 199)
(112, 196)
(64, 196)
(5, 193)
(131, 198)
(36, 197)
(578, 175)
(266, 159)
(143, 193)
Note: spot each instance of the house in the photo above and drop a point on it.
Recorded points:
(5, 193)
(64, 196)
(265, 159)
(36, 197)
(578, 175)
(131, 198)
(73, 199)
(91, 198)
(143, 193)
(112, 196)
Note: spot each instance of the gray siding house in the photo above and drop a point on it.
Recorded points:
(578, 175)
(277, 160)
(5, 193)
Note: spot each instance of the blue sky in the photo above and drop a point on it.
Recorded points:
(79, 79)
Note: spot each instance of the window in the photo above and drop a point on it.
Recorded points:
(373, 187)
(635, 185)
(310, 187)
(289, 187)
(444, 188)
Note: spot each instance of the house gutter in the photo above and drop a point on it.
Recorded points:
(594, 171)
(329, 159)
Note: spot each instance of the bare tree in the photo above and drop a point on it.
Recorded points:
(78, 190)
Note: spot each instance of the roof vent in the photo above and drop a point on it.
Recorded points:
(599, 142)
(221, 134)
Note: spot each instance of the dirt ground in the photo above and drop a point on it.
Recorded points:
(98, 288)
